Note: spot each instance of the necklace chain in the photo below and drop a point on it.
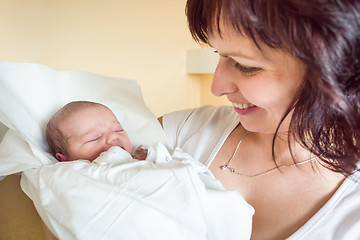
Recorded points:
(233, 170)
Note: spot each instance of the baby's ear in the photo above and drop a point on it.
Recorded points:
(61, 157)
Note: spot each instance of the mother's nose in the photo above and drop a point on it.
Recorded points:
(224, 81)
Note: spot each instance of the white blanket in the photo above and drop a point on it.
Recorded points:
(116, 197)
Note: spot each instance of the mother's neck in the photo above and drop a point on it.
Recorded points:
(283, 155)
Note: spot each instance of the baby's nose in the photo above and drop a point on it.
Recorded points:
(112, 139)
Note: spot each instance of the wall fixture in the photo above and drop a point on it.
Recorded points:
(201, 61)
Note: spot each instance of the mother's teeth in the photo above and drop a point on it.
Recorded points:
(243, 105)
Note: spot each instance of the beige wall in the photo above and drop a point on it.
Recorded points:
(206, 96)
(137, 39)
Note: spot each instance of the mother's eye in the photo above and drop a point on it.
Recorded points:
(247, 70)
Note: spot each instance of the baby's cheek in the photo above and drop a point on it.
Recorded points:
(92, 154)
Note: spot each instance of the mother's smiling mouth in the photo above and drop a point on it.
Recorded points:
(243, 105)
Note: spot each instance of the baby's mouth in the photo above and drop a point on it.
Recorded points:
(243, 105)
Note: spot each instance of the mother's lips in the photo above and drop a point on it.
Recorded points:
(243, 105)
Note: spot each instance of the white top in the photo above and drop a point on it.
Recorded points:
(201, 132)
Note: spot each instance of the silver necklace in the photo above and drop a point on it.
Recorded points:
(233, 170)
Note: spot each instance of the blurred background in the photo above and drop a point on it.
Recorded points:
(136, 39)
(142, 40)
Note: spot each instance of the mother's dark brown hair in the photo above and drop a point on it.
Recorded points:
(325, 36)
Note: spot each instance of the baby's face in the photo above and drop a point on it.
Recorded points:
(92, 131)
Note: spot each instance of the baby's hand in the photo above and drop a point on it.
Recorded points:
(140, 153)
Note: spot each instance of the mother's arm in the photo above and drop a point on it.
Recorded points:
(160, 119)
(48, 234)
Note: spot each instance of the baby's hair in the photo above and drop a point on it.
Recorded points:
(56, 140)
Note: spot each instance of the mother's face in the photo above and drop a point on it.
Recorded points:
(261, 84)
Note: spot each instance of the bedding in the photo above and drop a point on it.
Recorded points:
(167, 196)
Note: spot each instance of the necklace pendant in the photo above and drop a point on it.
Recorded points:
(223, 167)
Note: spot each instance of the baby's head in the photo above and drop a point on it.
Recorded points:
(83, 130)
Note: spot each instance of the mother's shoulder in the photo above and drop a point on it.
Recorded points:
(211, 112)
(198, 119)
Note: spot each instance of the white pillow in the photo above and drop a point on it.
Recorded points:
(31, 93)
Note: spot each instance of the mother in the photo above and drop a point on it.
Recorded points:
(290, 144)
